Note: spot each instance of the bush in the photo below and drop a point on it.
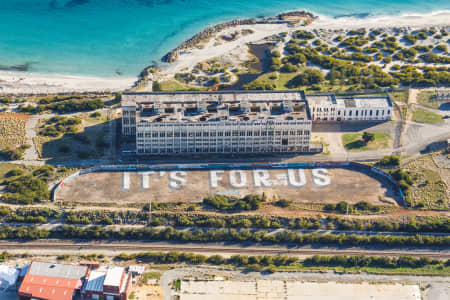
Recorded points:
(14, 153)
(275, 53)
(296, 58)
(44, 171)
(249, 202)
(275, 63)
(390, 160)
(288, 68)
(15, 172)
(308, 77)
(303, 35)
(441, 48)
(26, 190)
(156, 86)
(283, 203)
(95, 115)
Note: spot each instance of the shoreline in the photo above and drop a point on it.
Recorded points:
(14, 82)
(187, 54)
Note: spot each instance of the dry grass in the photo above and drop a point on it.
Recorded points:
(429, 189)
(12, 130)
(89, 142)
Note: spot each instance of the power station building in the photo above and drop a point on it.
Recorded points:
(166, 123)
(332, 108)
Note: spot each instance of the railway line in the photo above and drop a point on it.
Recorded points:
(114, 248)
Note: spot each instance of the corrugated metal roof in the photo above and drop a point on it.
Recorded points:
(95, 282)
(50, 288)
(113, 276)
(57, 270)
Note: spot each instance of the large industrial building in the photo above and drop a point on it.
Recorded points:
(332, 108)
(217, 122)
(166, 123)
(49, 281)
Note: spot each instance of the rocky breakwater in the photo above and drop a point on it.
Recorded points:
(209, 32)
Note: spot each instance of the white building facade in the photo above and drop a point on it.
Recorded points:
(217, 122)
(332, 108)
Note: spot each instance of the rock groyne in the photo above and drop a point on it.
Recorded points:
(209, 32)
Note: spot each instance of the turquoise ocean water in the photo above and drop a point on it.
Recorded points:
(101, 37)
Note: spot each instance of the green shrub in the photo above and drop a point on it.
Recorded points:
(283, 203)
(288, 68)
(219, 202)
(303, 35)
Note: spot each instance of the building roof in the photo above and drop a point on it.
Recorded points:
(8, 276)
(95, 282)
(349, 102)
(57, 270)
(136, 269)
(52, 281)
(130, 99)
(114, 276)
(50, 288)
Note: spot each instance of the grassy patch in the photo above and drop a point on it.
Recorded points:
(280, 80)
(12, 130)
(400, 96)
(88, 140)
(437, 270)
(6, 167)
(425, 116)
(429, 190)
(174, 85)
(354, 142)
(425, 98)
(151, 275)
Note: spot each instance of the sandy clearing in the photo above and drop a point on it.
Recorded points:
(345, 185)
(291, 290)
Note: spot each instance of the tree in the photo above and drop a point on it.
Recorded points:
(156, 86)
(368, 137)
(288, 68)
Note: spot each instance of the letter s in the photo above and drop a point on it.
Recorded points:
(320, 177)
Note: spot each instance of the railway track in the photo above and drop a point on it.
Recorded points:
(214, 249)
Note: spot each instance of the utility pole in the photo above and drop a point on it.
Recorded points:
(150, 212)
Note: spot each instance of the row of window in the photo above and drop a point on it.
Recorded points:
(363, 113)
(168, 145)
(225, 150)
(226, 133)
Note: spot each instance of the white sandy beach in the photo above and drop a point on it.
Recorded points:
(34, 83)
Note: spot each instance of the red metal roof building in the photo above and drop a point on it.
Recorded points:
(47, 281)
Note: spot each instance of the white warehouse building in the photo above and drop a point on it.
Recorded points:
(332, 108)
(166, 123)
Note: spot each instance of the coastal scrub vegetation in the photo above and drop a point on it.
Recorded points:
(224, 203)
(62, 106)
(201, 220)
(13, 141)
(358, 60)
(270, 264)
(29, 186)
(222, 235)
